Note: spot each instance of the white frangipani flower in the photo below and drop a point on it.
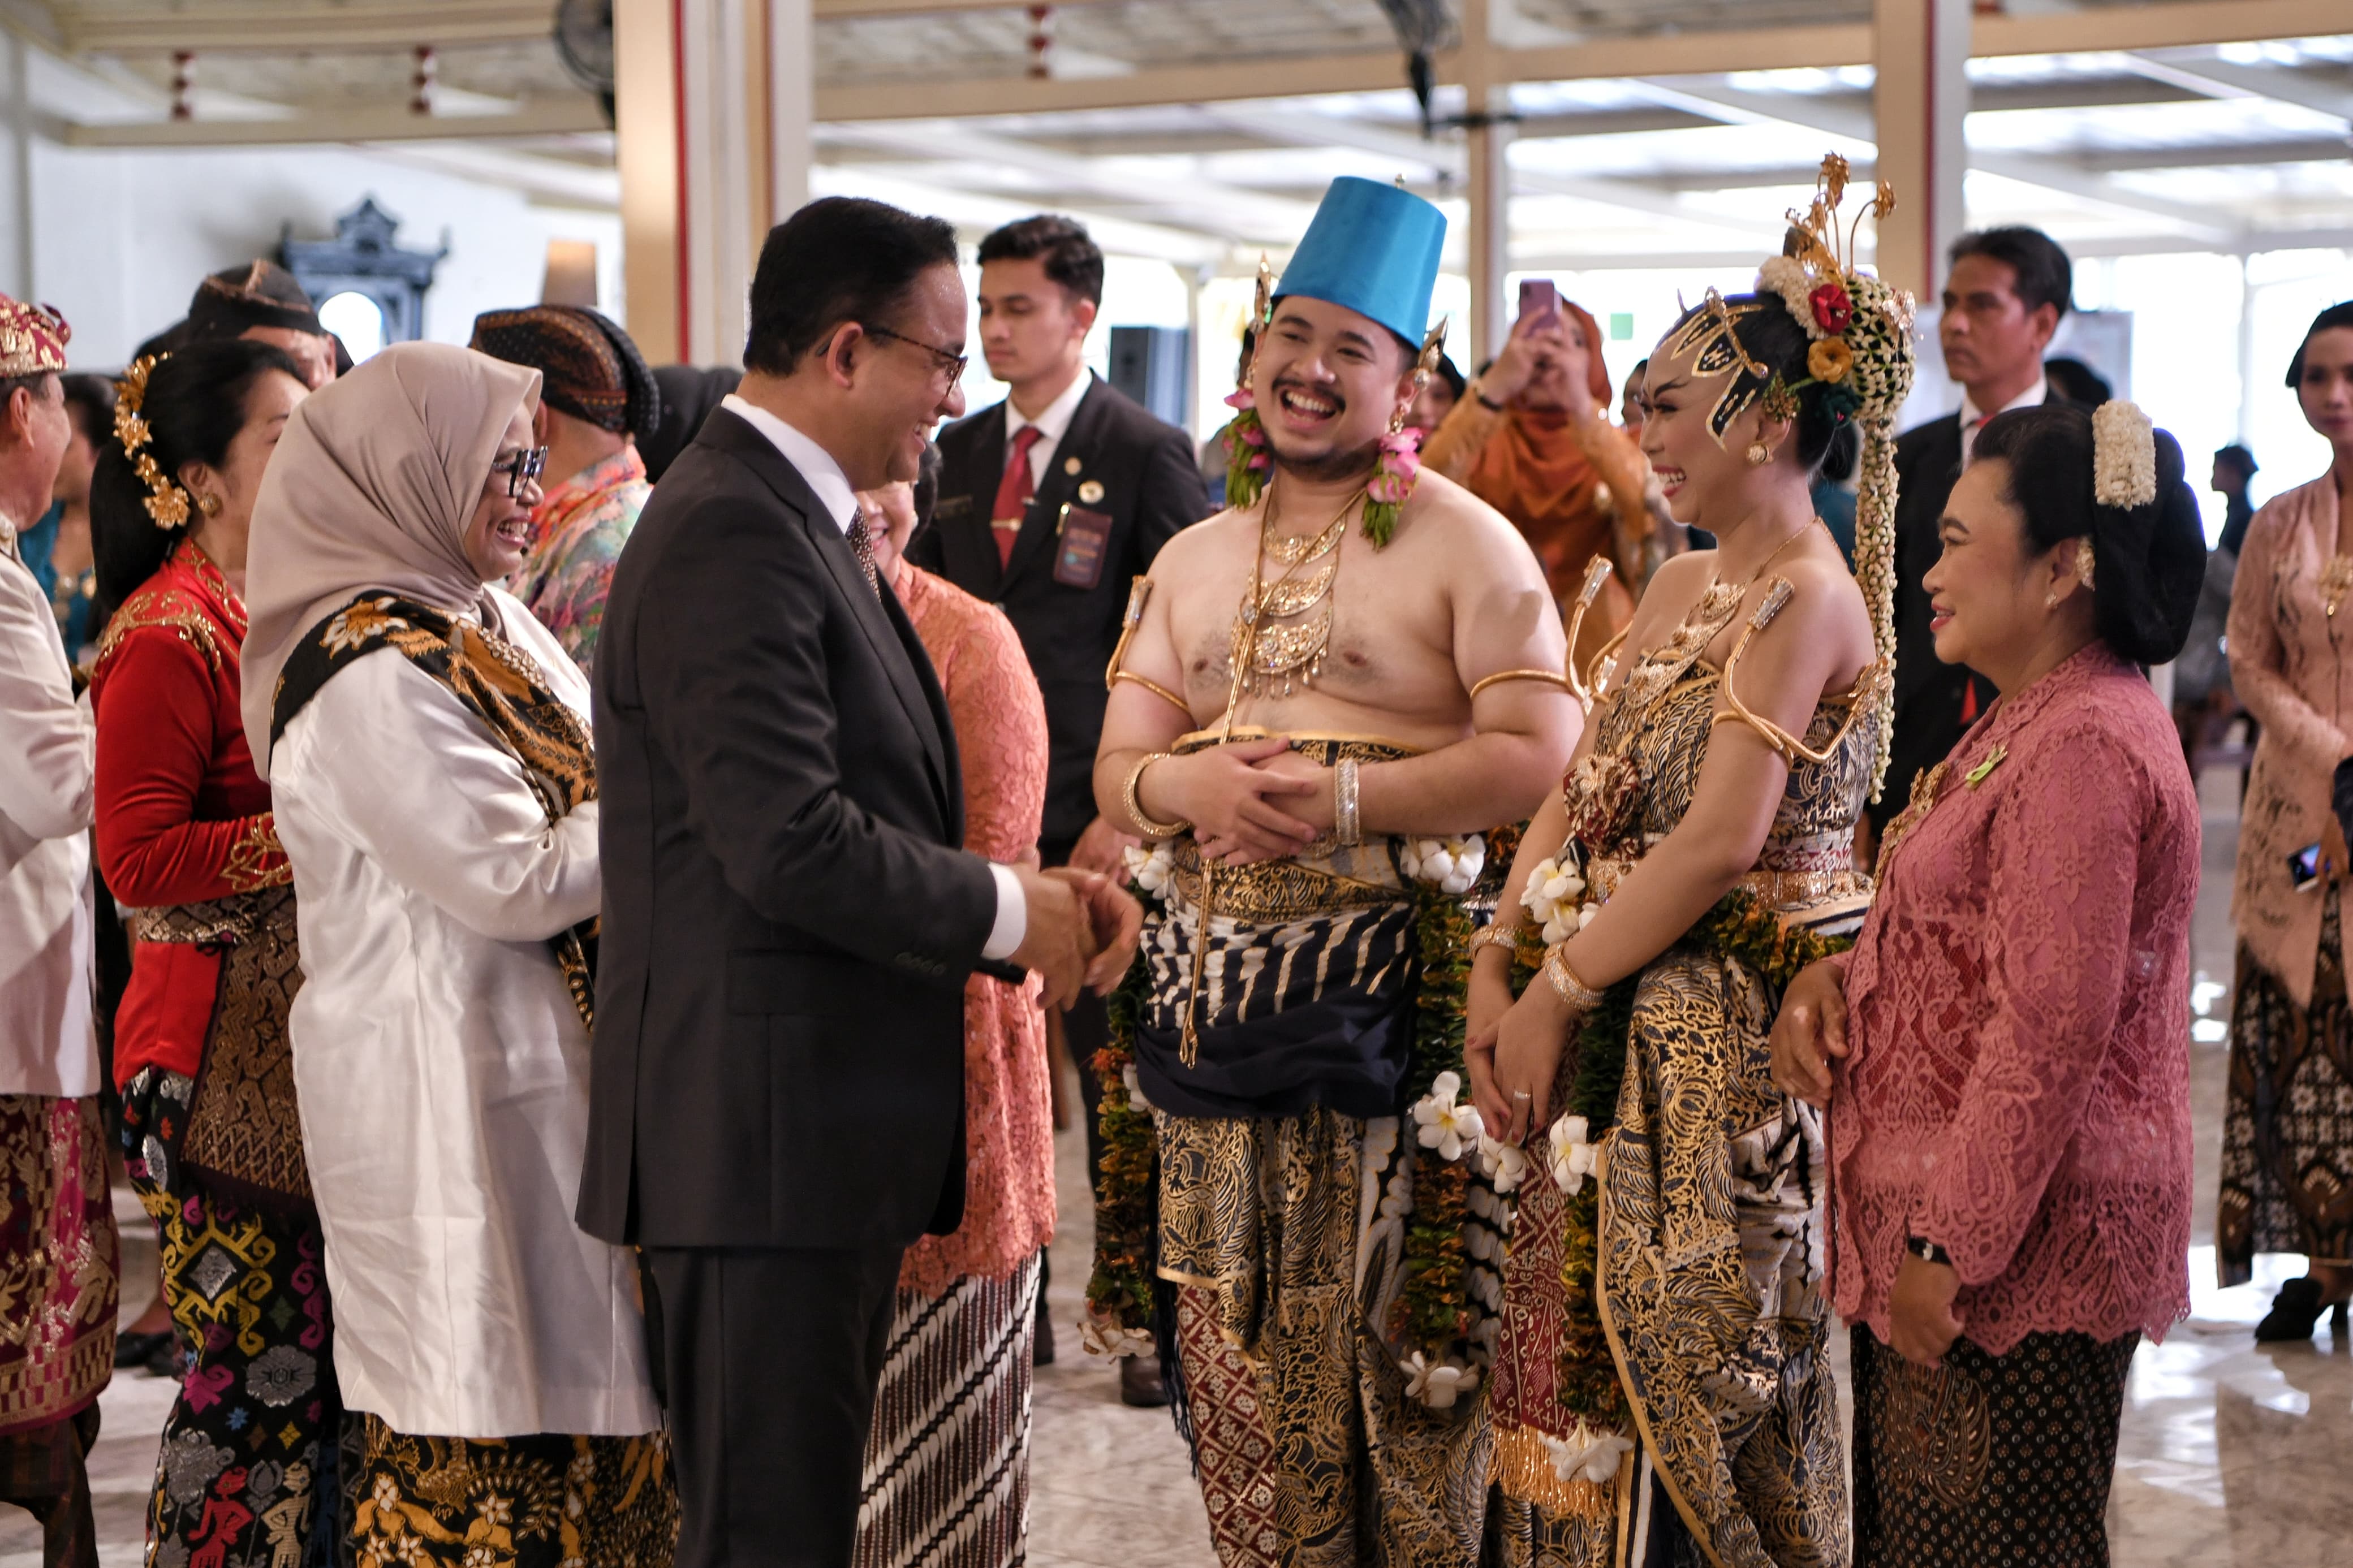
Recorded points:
(1135, 1089)
(1444, 1123)
(1551, 897)
(1596, 1462)
(1505, 1163)
(1452, 863)
(1112, 1341)
(1573, 1158)
(1151, 867)
(1437, 1385)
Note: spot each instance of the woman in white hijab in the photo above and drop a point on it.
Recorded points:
(426, 744)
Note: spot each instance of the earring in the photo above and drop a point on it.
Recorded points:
(2051, 600)
(1760, 454)
(1397, 417)
(209, 504)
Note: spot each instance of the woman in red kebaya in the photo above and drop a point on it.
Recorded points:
(186, 840)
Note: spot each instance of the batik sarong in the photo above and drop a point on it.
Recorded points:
(2287, 1127)
(549, 1500)
(246, 1474)
(1288, 1214)
(1986, 1461)
(58, 1297)
(946, 1479)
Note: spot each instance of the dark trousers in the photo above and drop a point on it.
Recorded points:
(1086, 1029)
(767, 1360)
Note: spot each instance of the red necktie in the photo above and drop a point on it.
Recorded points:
(1013, 492)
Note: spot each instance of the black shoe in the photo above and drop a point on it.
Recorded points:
(2295, 1310)
(167, 1361)
(135, 1350)
(1139, 1382)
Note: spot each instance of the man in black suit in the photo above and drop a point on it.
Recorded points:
(2004, 296)
(1050, 504)
(776, 1083)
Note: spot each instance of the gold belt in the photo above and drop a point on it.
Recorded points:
(1324, 880)
(1813, 875)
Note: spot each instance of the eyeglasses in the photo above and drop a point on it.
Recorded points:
(953, 365)
(522, 468)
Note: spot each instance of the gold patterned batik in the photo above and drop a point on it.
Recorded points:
(543, 1501)
(1312, 1453)
(1707, 1235)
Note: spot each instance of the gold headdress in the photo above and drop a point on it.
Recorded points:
(1860, 358)
(167, 503)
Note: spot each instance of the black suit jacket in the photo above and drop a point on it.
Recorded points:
(1151, 487)
(788, 921)
(1930, 695)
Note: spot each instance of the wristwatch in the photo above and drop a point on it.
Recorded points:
(1927, 1251)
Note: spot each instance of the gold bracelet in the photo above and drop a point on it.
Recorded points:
(1135, 804)
(1343, 803)
(1494, 933)
(1581, 998)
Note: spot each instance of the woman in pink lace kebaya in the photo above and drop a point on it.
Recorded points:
(2007, 1079)
(947, 1459)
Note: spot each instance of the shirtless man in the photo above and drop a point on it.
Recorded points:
(1276, 1049)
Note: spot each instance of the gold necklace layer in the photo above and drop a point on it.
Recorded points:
(1262, 652)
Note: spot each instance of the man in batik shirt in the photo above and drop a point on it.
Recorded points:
(1328, 693)
(596, 399)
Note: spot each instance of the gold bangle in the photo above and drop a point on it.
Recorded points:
(1494, 933)
(1134, 802)
(1580, 997)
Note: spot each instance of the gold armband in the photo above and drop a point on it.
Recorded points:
(1869, 688)
(1597, 573)
(1134, 799)
(1139, 592)
(1552, 676)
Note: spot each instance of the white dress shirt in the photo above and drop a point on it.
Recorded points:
(2035, 396)
(1053, 422)
(48, 1043)
(442, 1066)
(831, 487)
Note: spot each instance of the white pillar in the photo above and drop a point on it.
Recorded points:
(713, 100)
(1921, 103)
(1488, 104)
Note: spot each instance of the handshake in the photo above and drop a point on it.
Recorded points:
(1082, 931)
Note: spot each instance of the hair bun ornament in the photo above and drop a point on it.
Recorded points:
(167, 503)
(2123, 455)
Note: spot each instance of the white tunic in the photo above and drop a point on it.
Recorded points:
(47, 1043)
(442, 1068)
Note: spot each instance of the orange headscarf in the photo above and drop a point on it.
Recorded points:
(1534, 472)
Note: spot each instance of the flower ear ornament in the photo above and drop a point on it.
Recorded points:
(167, 503)
(2124, 458)
(1400, 463)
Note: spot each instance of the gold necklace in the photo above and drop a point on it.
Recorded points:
(1263, 653)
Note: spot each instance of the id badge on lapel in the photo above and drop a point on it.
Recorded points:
(1082, 541)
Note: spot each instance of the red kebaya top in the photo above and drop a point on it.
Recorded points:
(182, 816)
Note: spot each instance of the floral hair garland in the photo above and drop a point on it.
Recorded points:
(167, 503)
(1250, 464)
(2123, 455)
(1861, 356)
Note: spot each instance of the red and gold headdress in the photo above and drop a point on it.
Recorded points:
(32, 339)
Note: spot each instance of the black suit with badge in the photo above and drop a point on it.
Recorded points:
(1117, 461)
(777, 1080)
(1930, 695)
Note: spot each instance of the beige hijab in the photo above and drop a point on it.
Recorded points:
(372, 487)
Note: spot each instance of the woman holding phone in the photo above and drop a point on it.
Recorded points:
(2287, 1135)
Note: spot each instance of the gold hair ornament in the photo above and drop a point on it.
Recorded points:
(167, 503)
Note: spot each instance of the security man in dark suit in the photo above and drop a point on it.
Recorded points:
(2004, 296)
(1050, 503)
(775, 1104)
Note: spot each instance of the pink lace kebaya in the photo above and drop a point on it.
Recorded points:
(2017, 1089)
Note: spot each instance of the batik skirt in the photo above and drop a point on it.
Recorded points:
(246, 1471)
(2287, 1127)
(1986, 1461)
(946, 1479)
(548, 1500)
(57, 1276)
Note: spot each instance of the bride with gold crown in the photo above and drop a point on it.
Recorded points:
(1661, 1388)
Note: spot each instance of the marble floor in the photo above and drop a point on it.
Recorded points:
(2233, 1456)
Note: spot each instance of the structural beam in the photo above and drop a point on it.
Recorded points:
(2172, 24)
(364, 122)
(289, 29)
(1487, 97)
(2221, 78)
(650, 153)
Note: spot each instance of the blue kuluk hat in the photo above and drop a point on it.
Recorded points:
(1374, 249)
